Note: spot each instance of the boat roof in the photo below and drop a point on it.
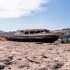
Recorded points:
(28, 30)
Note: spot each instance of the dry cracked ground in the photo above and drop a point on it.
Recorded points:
(34, 56)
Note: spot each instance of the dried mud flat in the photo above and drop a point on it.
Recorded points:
(34, 56)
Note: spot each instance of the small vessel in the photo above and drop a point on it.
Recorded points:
(33, 35)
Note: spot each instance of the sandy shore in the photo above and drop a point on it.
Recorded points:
(34, 56)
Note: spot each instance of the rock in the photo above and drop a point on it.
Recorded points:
(63, 39)
(7, 61)
(2, 65)
(57, 66)
(7, 68)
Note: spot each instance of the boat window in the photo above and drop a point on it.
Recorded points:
(26, 32)
(42, 31)
(37, 32)
(46, 31)
(32, 32)
(22, 31)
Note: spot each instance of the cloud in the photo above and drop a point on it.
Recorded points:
(18, 8)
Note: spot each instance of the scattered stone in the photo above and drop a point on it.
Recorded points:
(2, 66)
(31, 56)
(7, 68)
(7, 61)
(39, 42)
(63, 39)
(57, 66)
(31, 60)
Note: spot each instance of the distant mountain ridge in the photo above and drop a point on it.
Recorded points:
(1, 31)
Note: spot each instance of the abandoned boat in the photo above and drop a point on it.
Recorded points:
(33, 35)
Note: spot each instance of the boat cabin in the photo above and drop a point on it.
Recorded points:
(31, 31)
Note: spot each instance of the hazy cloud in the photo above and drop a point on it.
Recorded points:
(18, 8)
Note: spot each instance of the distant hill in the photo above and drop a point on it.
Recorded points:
(66, 29)
(1, 31)
(63, 31)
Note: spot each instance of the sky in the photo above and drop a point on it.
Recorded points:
(34, 14)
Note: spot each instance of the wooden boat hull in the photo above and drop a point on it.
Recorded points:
(33, 38)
